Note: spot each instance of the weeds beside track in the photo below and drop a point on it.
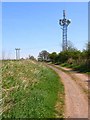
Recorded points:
(30, 90)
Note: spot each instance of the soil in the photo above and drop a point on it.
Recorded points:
(76, 102)
(81, 78)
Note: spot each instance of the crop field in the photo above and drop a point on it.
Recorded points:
(30, 90)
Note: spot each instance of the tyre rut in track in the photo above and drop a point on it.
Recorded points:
(76, 103)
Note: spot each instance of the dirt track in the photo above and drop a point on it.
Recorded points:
(76, 102)
(81, 79)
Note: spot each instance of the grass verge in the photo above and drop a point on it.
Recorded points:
(82, 68)
(30, 90)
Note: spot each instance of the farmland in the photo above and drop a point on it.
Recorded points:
(30, 90)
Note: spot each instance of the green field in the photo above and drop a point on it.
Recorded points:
(30, 90)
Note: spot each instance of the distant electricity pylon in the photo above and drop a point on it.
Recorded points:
(64, 22)
(17, 53)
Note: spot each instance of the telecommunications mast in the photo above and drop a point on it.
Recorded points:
(64, 23)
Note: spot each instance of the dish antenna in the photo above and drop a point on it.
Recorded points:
(64, 23)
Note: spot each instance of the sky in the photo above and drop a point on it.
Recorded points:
(34, 26)
(45, 0)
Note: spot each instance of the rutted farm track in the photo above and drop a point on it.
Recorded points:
(76, 101)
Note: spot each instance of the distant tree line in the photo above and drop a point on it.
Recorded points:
(72, 57)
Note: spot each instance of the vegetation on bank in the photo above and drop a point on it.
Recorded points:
(30, 90)
(72, 57)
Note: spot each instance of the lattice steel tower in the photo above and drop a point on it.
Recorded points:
(64, 22)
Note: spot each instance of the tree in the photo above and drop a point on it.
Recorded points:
(43, 56)
(31, 57)
(63, 56)
(88, 49)
(53, 57)
(70, 46)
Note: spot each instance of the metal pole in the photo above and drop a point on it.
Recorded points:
(17, 53)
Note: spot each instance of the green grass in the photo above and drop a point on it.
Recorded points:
(83, 68)
(30, 90)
